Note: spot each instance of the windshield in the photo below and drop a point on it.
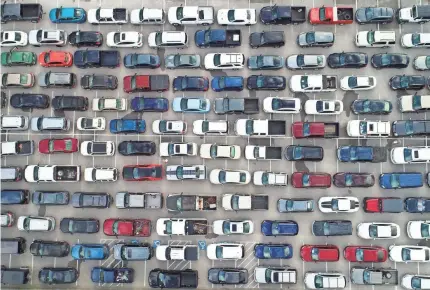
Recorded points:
(158, 38)
(425, 230)
(217, 59)
(298, 152)
(373, 231)
(416, 102)
(359, 255)
(268, 275)
(371, 37)
(369, 13)
(246, 227)
(169, 227)
(315, 254)
(409, 127)
(115, 227)
(179, 203)
(394, 180)
(363, 127)
(310, 37)
(235, 202)
(222, 176)
(304, 82)
(318, 281)
(226, 227)
(406, 254)
(416, 283)
(322, 13)
(230, 15)
(352, 82)
(415, 38)
(219, 252)
(249, 127)
(265, 179)
(180, 13)
(306, 179)
(407, 154)
(348, 180)
(335, 204)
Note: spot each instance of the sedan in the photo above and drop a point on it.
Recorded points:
(228, 276)
(13, 38)
(273, 251)
(371, 107)
(182, 61)
(351, 179)
(149, 172)
(29, 101)
(417, 205)
(229, 227)
(141, 60)
(35, 223)
(170, 149)
(306, 61)
(415, 282)
(265, 62)
(17, 80)
(304, 153)
(215, 151)
(149, 104)
(323, 107)
(415, 40)
(191, 105)
(67, 15)
(91, 200)
(221, 176)
(237, 17)
(127, 227)
(99, 82)
(407, 82)
(132, 39)
(406, 254)
(330, 204)
(411, 128)
(225, 251)
(295, 205)
(418, 230)
(311, 179)
(390, 60)
(66, 145)
(90, 251)
(170, 127)
(279, 228)
(266, 82)
(79, 225)
(380, 15)
(279, 105)
(136, 148)
(70, 103)
(50, 197)
(319, 253)
(85, 38)
(91, 124)
(127, 126)
(357, 83)
(367, 254)
(40, 248)
(55, 59)
(193, 83)
(378, 230)
(54, 276)
(315, 38)
(347, 60)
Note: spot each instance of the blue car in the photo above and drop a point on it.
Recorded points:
(400, 180)
(193, 83)
(141, 60)
(90, 251)
(68, 15)
(279, 228)
(417, 204)
(112, 275)
(361, 154)
(273, 251)
(125, 126)
(191, 105)
(220, 84)
(142, 104)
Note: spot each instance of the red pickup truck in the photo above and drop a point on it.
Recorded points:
(310, 179)
(315, 130)
(331, 15)
(146, 83)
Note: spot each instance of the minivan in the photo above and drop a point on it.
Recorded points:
(10, 173)
(13, 245)
(50, 124)
(14, 276)
(15, 122)
(14, 196)
(400, 180)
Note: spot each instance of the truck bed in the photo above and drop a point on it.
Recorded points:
(259, 202)
(29, 11)
(251, 106)
(207, 202)
(191, 253)
(331, 130)
(298, 14)
(196, 227)
(329, 82)
(159, 82)
(109, 58)
(277, 128)
(66, 173)
(345, 13)
(233, 37)
(153, 200)
(379, 154)
(274, 153)
(24, 147)
(394, 205)
(119, 13)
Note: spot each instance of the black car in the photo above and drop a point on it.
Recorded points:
(304, 153)
(230, 276)
(79, 225)
(350, 179)
(91, 200)
(371, 107)
(390, 60)
(382, 15)
(135, 148)
(29, 101)
(266, 82)
(70, 103)
(332, 228)
(159, 278)
(85, 38)
(99, 82)
(42, 248)
(267, 39)
(315, 38)
(411, 128)
(347, 60)
(417, 204)
(53, 275)
(407, 82)
(141, 60)
(14, 196)
(50, 197)
(282, 15)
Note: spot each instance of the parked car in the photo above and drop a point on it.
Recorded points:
(170, 39)
(265, 62)
(306, 61)
(149, 104)
(292, 205)
(97, 148)
(15, 58)
(348, 204)
(170, 149)
(407, 82)
(127, 227)
(420, 254)
(233, 227)
(101, 174)
(7, 219)
(383, 204)
(13, 122)
(347, 60)
(390, 60)
(351, 179)
(279, 105)
(29, 101)
(47, 37)
(68, 15)
(65, 145)
(273, 251)
(357, 83)
(191, 105)
(186, 172)
(127, 126)
(413, 103)
(112, 275)
(132, 251)
(210, 127)
(91, 124)
(400, 180)
(17, 80)
(380, 15)
(228, 276)
(223, 176)
(136, 148)
(130, 39)
(310, 179)
(182, 61)
(147, 16)
(374, 107)
(55, 59)
(170, 127)
(266, 82)
(109, 104)
(90, 251)
(55, 275)
(304, 153)
(418, 230)
(218, 151)
(35, 223)
(150, 172)
(237, 16)
(41, 248)
(411, 128)
(410, 281)
(377, 230)
(417, 204)
(70, 103)
(99, 82)
(79, 225)
(85, 38)
(366, 254)
(91, 200)
(13, 38)
(159, 278)
(50, 197)
(315, 38)
(415, 40)
(321, 280)
(225, 251)
(57, 80)
(190, 83)
(332, 228)
(267, 39)
(323, 107)
(319, 253)
(227, 83)
(141, 60)
(279, 228)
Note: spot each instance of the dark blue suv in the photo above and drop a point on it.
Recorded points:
(18, 196)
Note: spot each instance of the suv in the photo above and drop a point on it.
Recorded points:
(167, 39)
(57, 80)
(14, 123)
(15, 276)
(223, 61)
(267, 39)
(70, 103)
(47, 37)
(132, 252)
(375, 38)
(49, 124)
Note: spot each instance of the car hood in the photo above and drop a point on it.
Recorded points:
(199, 37)
(360, 15)
(255, 38)
(266, 13)
(41, 79)
(292, 61)
(301, 39)
(357, 275)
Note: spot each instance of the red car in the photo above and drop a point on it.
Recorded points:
(374, 254)
(311, 179)
(55, 59)
(319, 253)
(127, 227)
(66, 145)
(148, 172)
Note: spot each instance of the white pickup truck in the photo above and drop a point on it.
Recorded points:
(182, 226)
(260, 128)
(52, 173)
(242, 201)
(22, 148)
(181, 253)
(313, 83)
(269, 178)
(108, 16)
(357, 128)
(253, 152)
(275, 275)
(193, 15)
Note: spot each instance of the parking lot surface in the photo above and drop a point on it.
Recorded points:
(344, 42)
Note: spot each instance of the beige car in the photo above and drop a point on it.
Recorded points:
(16, 80)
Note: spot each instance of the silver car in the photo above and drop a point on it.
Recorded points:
(306, 61)
(176, 61)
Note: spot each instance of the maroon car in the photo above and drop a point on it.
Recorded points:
(351, 179)
(311, 179)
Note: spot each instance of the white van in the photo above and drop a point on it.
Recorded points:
(375, 39)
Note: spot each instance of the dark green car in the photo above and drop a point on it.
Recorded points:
(18, 58)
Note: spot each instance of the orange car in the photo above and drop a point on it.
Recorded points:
(55, 59)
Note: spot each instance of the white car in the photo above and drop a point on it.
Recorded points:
(416, 282)
(210, 127)
(35, 223)
(169, 127)
(13, 38)
(167, 39)
(406, 254)
(357, 83)
(177, 252)
(124, 39)
(177, 149)
(328, 204)
(275, 275)
(226, 176)
(223, 61)
(91, 124)
(375, 38)
(107, 16)
(410, 155)
(378, 230)
(323, 107)
(147, 16)
(47, 37)
(306, 61)
(418, 230)
(225, 251)
(329, 280)
(279, 105)
(269, 178)
(185, 172)
(229, 227)
(198, 15)
(101, 174)
(358, 128)
(416, 40)
(215, 151)
(13, 122)
(237, 16)
(109, 104)
(97, 148)
(421, 62)
(414, 103)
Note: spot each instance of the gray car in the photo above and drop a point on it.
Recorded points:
(175, 61)
(132, 252)
(295, 205)
(306, 61)
(265, 62)
(57, 80)
(332, 228)
(315, 38)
